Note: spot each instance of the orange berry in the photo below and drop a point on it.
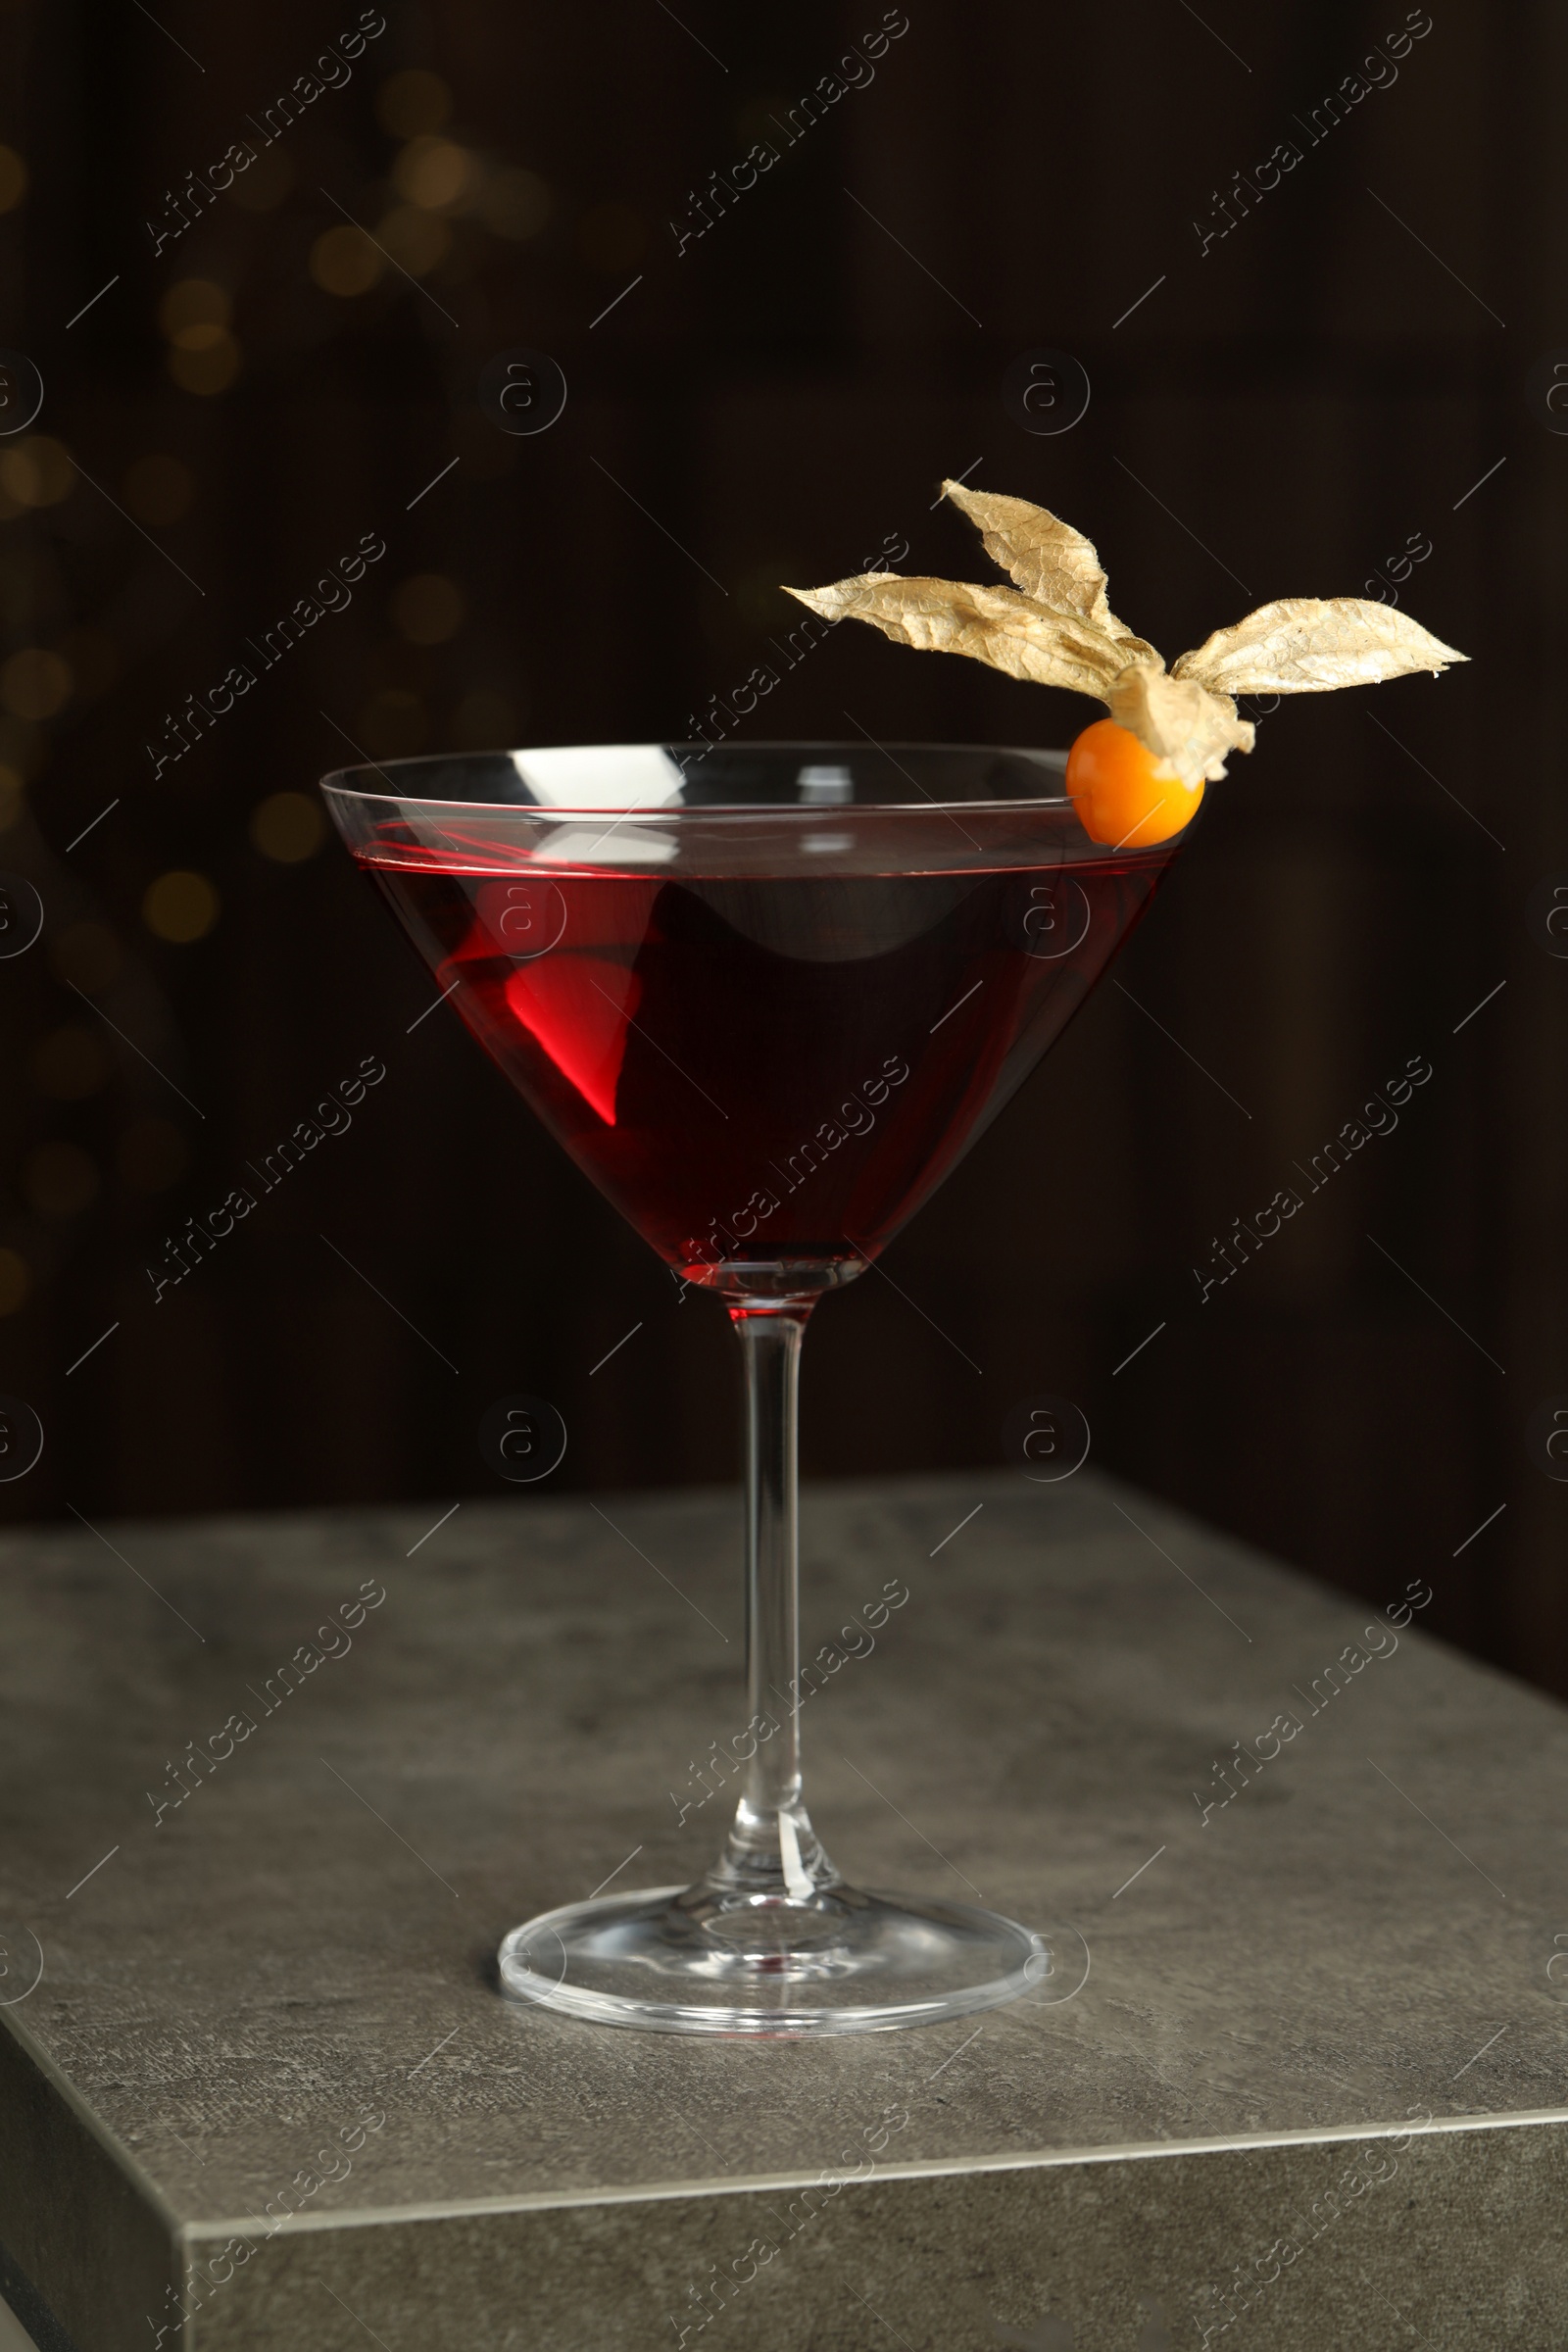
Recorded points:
(1119, 799)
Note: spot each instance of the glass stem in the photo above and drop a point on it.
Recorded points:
(772, 1850)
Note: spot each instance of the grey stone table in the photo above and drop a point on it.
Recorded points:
(264, 2093)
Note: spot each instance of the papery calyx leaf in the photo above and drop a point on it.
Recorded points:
(995, 625)
(1187, 728)
(1310, 645)
(1053, 563)
(1055, 628)
(1047, 557)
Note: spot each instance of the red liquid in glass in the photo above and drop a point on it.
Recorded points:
(779, 1067)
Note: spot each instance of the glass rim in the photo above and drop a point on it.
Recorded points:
(345, 784)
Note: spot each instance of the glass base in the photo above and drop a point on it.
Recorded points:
(697, 1960)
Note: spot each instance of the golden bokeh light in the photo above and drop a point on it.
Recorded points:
(180, 906)
(37, 472)
(428, 609)
(34, 684)
(344, 261)
(288, 826)
(206, 367)
(195, 302)
(13, 180)
(436, 174)
(415, 240)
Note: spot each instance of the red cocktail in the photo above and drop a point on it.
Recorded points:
(766, 998)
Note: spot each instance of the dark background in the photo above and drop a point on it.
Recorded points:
(1280, 415)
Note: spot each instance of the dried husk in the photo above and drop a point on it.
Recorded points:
(1188, 729)
(1053, 563)
(996, 625)
(1310, 645)
(1055, 628)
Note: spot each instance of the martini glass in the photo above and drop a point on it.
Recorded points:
(767, 996)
